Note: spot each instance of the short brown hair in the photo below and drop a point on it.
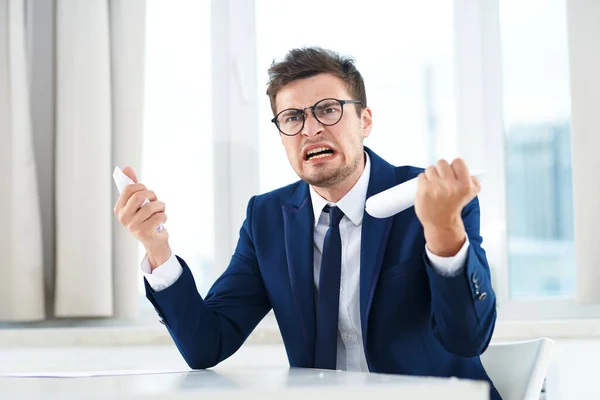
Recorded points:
(310, 61)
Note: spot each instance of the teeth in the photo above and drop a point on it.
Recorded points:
(317, 150)
(321, 156)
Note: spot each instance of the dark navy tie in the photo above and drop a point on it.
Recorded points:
(329, 293)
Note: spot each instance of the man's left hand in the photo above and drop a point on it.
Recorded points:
(443, 191)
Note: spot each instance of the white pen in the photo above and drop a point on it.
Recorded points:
(122, 180)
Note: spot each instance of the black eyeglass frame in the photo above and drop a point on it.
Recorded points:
(312, 108)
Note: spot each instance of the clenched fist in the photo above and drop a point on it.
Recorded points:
(141, 221)
(443, 191)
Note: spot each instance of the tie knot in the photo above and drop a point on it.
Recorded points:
(335, 215)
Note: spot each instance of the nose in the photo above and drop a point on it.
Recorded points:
(312, 127)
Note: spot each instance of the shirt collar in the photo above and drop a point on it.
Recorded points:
(352, 204)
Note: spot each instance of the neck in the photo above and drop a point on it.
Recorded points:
(336, 192)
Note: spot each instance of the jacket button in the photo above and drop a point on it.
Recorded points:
(474, 279)
(482, 296)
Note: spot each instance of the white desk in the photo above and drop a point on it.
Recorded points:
(245, 383)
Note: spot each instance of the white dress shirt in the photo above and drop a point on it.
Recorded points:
(350, 349)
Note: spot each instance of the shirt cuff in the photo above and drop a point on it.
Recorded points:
(449, 266)
(165, 275)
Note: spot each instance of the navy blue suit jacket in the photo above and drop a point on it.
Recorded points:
(414, 321)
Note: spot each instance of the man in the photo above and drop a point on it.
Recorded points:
(409, 294)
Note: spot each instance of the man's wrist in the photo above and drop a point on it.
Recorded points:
(447, 240)
(158, 255)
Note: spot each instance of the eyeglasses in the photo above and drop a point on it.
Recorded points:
(327, 112)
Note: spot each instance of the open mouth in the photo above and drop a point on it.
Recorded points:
(320, 152)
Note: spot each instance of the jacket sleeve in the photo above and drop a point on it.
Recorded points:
(207, 331)
(463, 307)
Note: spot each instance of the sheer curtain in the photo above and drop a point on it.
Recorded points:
(21, 267)
(92, 120)
(99, 97)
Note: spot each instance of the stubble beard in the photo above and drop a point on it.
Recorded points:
(326, 177)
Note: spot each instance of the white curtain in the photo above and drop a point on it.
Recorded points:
(96, 107)
(584, 64)
(21, 266)
(99, 98)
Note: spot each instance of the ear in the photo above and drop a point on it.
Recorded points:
(366, 122)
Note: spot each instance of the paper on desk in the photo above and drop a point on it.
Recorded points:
(87, 374)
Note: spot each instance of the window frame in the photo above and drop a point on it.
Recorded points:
(480, 109)
(235, 112)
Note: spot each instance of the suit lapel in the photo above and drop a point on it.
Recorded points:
(374, 236)
(298, 220)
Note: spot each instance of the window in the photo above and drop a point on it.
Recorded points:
(405, 57)
(440, 84)
(177, 159)
(539, 204)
